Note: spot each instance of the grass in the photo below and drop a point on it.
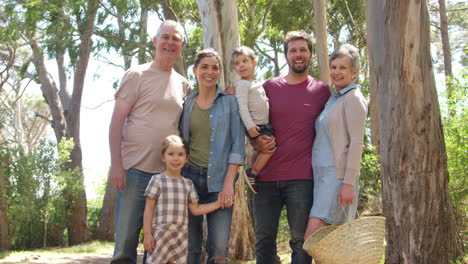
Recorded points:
(93, 247)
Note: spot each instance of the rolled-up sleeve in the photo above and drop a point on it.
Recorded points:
(237, 135)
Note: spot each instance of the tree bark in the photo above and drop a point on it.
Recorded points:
(49, 91)
(106, 220)
(445, 39)
(420, 224)
(142, 46)
(78, 224)
(230, 37)
(373, 91)
(221, 32)
(320, 18)
(446, 52)
(4, 236)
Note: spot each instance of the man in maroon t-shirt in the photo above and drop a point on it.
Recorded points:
(295, 102)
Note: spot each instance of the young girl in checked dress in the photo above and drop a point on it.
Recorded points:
(166, 216)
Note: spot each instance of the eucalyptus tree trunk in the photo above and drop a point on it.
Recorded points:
(320, 18)
(106, 220)
(446, 51)
(420, 224)
(4, 236)
(221, 32)
(66, 119)
(373, 88)
(142, 44)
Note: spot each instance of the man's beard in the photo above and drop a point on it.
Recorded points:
(299, 69)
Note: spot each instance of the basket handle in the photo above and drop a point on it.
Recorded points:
(345, 212)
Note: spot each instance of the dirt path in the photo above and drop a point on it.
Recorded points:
(64, 259)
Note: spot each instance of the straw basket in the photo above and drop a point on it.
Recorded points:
(360, 241)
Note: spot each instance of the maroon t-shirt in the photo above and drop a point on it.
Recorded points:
(293, 110)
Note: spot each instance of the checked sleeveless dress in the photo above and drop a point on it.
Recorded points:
(170, 221)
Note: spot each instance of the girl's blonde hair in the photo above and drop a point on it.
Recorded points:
(174, 140)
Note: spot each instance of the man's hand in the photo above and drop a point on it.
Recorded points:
(263, 143)
(117, 177)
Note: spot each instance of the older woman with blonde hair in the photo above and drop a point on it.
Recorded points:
(337, 149)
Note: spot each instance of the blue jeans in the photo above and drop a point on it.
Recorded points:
(269, 200)
(129, 210)
(218, 222)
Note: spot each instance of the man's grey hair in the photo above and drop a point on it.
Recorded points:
(172, 23)
(347, 50)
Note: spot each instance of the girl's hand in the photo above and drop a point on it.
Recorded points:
(226, 196)
(253, 132)
(149, 243)
(346, 195)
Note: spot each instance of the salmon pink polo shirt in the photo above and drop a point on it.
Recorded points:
(156, 98)
(293, 110)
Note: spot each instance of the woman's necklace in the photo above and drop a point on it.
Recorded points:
(204, 102)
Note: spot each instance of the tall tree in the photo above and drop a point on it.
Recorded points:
(57, 29)
(320, 18)
(373, 89)
(446, 51)
(420, 219)
(4, 235)
(445, 39)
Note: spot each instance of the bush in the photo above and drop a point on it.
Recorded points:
(36, 209)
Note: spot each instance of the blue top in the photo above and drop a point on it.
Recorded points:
(227, 135)
(322, 152)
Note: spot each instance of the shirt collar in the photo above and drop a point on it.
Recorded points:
(346, 89)
(219, 91)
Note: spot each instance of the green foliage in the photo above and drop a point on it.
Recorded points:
(369, 182)
(95, 208)
(346, 22)
(283, 233)
(36, 207)
(455, 126)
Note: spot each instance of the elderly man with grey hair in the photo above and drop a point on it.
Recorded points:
(148, 105)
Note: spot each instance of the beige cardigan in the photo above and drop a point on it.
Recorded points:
(346, 125)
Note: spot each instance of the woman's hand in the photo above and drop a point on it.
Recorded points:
(226, 196)
(346, 195)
